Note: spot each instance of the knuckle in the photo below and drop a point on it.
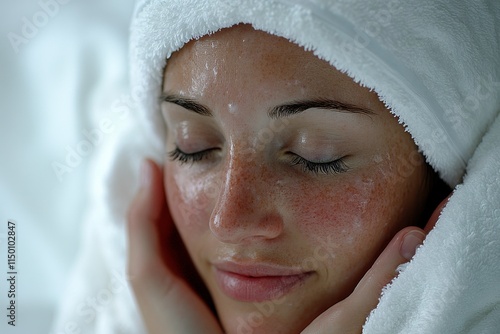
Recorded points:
(344, 317)
(386, 278)
(377, 282)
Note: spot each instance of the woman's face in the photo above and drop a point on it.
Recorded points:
(284, 177)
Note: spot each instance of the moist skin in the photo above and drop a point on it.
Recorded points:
(247, 203)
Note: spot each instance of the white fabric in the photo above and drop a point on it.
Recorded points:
(98, 298)
(57, 77)
(433, 62)
(452, 284)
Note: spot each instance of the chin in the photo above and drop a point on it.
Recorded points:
(261, 322)
(288, 314)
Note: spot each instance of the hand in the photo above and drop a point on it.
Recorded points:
(349, 315)
(167, 302)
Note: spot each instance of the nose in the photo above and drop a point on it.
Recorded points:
(246, 210)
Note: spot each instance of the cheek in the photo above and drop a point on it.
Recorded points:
(337, 211)
(190, 199)
(351, 220)
(357, 214)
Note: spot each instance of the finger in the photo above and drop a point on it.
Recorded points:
(435, 215)
(400, 250)
(167, 303)
(145, 212)
(153, 284)
(349, 315)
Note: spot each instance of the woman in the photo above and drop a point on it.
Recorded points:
(289, 192)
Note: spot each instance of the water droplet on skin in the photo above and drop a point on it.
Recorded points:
(357, 223)
(293, 83)
(185, 132)
(232, 108)
(378, 158)
(199, 84)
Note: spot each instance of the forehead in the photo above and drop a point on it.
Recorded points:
(246, 43)
(242, 59)
(247, 51)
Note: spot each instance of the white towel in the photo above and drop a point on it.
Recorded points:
(452, 285)
(434, 63)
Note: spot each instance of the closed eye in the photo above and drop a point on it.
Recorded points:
(183, 158)
(333, 167)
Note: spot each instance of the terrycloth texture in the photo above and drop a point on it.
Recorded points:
(452, 284)
(435, 63)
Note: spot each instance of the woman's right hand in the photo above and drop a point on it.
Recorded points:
(167, 302)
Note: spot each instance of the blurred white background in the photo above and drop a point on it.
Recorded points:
(63, 64)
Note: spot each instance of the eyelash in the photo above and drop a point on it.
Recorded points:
(183, 158)
(334, 167)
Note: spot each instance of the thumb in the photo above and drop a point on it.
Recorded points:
(435, 215)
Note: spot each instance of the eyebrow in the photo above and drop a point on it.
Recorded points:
(296, 107)
(281, 111)
(186, 103)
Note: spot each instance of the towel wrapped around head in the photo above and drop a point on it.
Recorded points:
(434, 63)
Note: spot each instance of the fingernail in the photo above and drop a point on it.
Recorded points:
(411, 242)
(145, 174)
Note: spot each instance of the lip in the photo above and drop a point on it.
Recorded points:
(257, 282)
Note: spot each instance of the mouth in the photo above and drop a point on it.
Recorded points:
(257, 282)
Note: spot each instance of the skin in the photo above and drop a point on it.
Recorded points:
(246, 201)
(169, 302)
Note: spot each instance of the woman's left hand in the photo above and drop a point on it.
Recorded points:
(349, 315)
